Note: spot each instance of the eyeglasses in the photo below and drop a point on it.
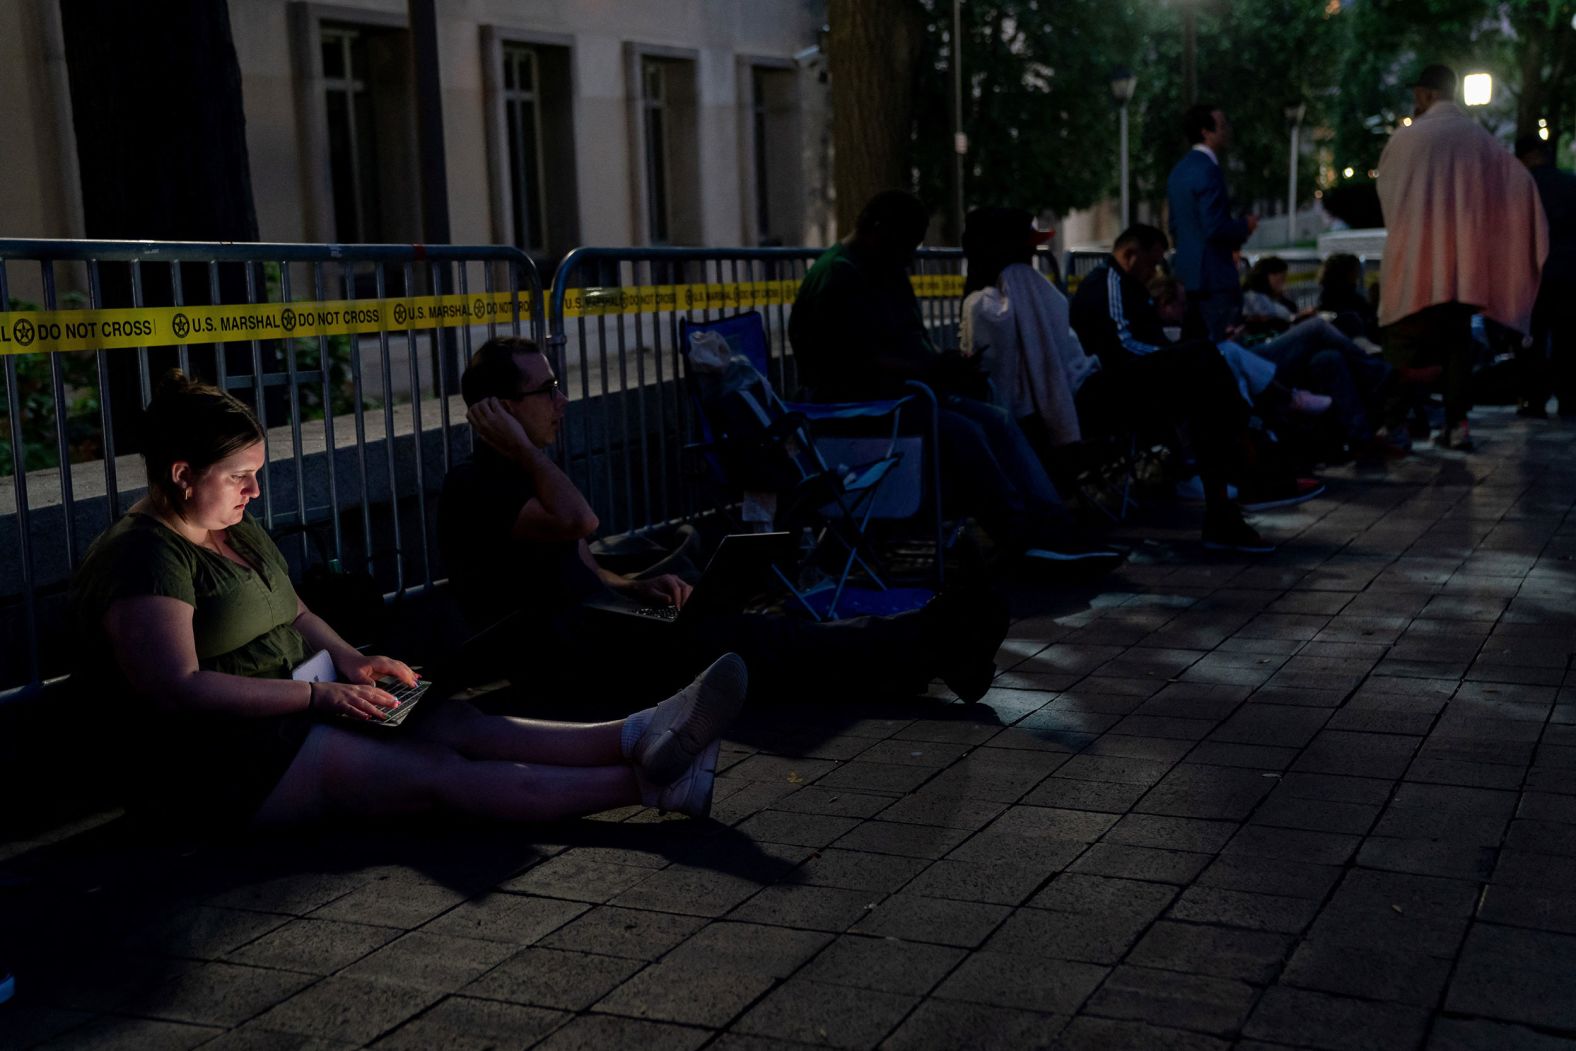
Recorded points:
(549, 388)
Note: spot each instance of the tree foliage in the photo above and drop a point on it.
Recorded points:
(1041, 125)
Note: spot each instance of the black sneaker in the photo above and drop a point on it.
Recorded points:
(1285, 493)
(970, 624)
(1226, 531)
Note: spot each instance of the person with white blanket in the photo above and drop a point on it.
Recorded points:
(1018, 324)
(1464, 233)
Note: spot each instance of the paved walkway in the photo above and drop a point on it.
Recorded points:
(1324, 799)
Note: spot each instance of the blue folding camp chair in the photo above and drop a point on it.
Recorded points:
(834, 485)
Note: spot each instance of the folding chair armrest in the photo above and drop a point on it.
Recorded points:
(844, 410)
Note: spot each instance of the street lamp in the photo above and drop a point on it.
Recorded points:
(1294, 114)
(1122, 84)
(1477, 89)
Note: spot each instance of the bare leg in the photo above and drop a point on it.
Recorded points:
(477, 735)
(339, 773)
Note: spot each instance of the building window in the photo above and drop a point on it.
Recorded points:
(522, 99)
(668, 119)
(775, 157)
(654, 106)
(352, 143)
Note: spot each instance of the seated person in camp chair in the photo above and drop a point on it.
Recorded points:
(858, 335)
(187, 631)
(1039, 348)
(514, 532)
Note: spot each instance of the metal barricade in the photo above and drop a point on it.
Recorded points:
(613, 319)
(344, 352)
(1079, 265)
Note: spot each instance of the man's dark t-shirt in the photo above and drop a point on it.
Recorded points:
(849, 314)
(492, 574)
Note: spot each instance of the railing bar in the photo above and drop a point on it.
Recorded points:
(221, 364)
(142, 352)
(325, 378)
(623, 416)
(388, 433)
(607, 420)
(106, 413)
(661, 401)
(589, 485)
(257, 400)
(57, 384)
(349, 277)
(459, 341)
(178, 292)
(297, 445)
(413, 365)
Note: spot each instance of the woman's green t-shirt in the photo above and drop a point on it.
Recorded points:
(244, 618)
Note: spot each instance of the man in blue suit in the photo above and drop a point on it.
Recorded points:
(1202, 226)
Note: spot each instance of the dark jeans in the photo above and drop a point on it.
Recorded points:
(1549, 365)
(1317, 355)
(1188, 383)
(989, 469)
(1436, 335)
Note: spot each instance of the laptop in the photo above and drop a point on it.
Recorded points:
(320, 668)
(736, 573)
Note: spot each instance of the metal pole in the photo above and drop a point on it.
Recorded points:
(1291, 188)
(1126, 216)
(959, 143)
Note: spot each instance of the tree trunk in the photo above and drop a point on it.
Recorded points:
(872, 47)
(156, 100)
(161, 142)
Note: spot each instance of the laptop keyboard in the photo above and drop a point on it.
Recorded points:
(660, 612)
(407, 696)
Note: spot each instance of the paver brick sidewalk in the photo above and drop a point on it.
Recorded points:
(1326, 799)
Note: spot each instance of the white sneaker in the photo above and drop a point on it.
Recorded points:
(684, 724)
(690, 795)
(1367, 345)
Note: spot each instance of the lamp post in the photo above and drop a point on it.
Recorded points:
(1122, 84)
(1294, 114)
(960, 142)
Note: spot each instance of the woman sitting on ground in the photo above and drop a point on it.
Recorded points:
(186, 605)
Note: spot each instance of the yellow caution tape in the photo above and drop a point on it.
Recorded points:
(49, 331)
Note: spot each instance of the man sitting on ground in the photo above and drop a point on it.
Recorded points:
(514, 529)
(858, 335)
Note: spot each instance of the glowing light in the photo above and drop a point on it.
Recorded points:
(1543, 133)
(1542, 123)
(1318, 195)
(1477, 89)
(1406, 122)
(1348, 172)
(1373, 173)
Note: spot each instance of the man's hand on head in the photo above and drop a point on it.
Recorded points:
(666, 590)
(496, 426)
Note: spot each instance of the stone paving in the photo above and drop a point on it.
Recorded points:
(1323, 799)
